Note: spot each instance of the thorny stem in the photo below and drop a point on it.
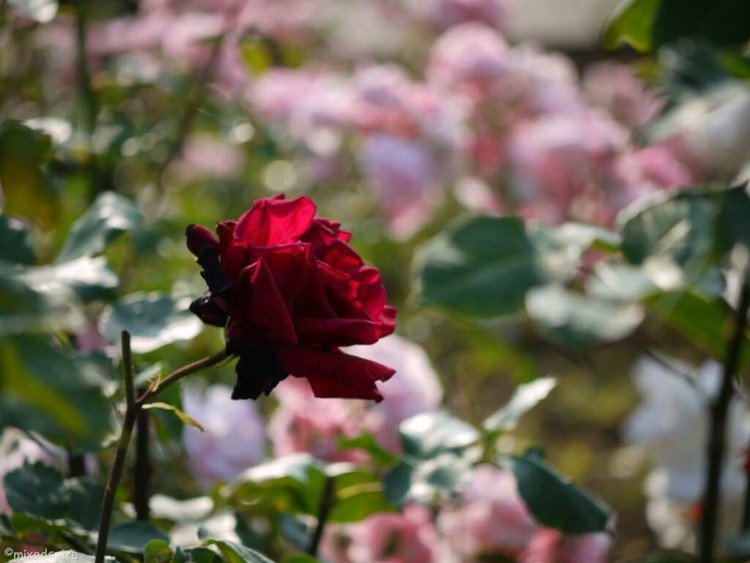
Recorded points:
(718, 429)
(133, 407)
(326, 504)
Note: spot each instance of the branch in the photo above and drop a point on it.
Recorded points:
(717, 436)
(133, 408)
(326, 504)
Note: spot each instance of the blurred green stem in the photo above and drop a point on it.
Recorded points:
(88, 96)
(718, 429)
(326, 504)
(133, 407)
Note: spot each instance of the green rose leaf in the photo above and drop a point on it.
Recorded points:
(554, 501)
(427, 435)
(526, 397)
(153, 320)
(133, 537)
(108, 217)
(578, 320)
(483, 267)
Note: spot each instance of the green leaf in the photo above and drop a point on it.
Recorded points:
(632, 23)
(14, 242)
(525, 398)
(108, 217)
(367, 443)
(27, 191)
(430, 434)
(483, 267)
(187, 420)
(196, 555)
(236, 553)
(58, 393)
(623, 282)
(176, 510)
(554, 501)
(680, 226)
(428, 480)
(733, 224)
(85, 501)
(153, 320)
(89, 278)
(578, 320)
(133, 537)
(25, 308)
(38, 489)
(293, 483)
(358, 501)
(722, 22)
(157, 551)
(681, 309)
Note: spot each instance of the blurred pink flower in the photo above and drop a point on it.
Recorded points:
(446, 13)
(646, 171)
(206, 156)
(551, 546)
(233, 439)
(615, 88)
(415, 388)
(561, 167)
(89, 339)
(490, 518)
(470, 58)
(408, 537)
(406, 181)
(303, 423)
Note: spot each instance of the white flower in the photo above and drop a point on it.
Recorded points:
(233, 439)
(672, 423)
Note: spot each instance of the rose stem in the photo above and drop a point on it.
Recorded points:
(133, 407)
(326, 504)
(718, 428)
(142, 469)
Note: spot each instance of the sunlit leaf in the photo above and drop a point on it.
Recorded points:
(107, 218)
(153, 320)
(526, 397)
(632, 23)
(187, 420)
(579, 320)
(430, 434)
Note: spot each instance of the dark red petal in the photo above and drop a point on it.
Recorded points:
(337, 331)
(199, 239)
(333, 373)
(262, 308)
(275, 221)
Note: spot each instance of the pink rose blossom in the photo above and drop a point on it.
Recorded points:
(615, 88)
(648, 170)
(233, 439)
(408, 537)
(446, 13)
(470, 58)
(406, 181)
(490, 517)
(551, 546)
(560, 166)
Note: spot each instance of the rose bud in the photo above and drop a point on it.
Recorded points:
(290, 292)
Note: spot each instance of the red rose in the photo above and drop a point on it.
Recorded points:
(290, 291)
